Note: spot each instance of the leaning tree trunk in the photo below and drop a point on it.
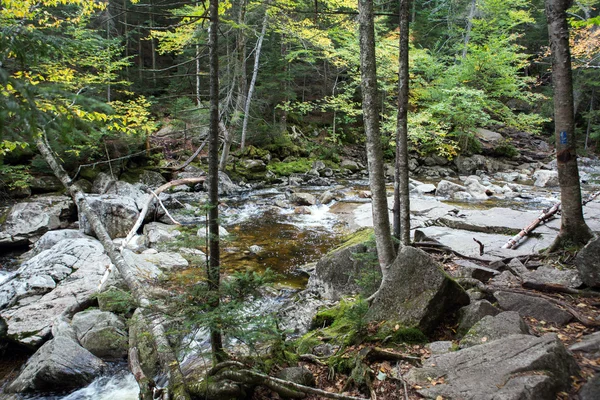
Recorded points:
(573, 227)
(401, 190)
(381, 220)
(177, 387)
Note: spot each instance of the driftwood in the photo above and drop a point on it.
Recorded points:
(145, 384)
(192, 157)
(110, 160)
(556, 288)
(379, 354)
(543, 217)
(169, 364)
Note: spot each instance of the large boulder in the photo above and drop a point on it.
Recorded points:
(101, 333)
(337, 274)
(494, 327)
(117, 213)
(417, 292)
(550, 275)
(226, 186)
(303, 199)
(588, 263)
(57, 280)
(49, 239)
(254, 165)
(473, 313)
(529, 306)
(27, 221)
(350, 165)
(447, 189)
(157, 233)
(517, 367)
(545, 178)
(60, 364)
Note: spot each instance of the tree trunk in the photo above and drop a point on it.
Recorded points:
(253, 80)
(213, 268)
(169, 363)
(368, 70)
(469, 27)
(573, 228)
(401, 190)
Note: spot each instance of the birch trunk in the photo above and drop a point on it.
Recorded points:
(169, 363)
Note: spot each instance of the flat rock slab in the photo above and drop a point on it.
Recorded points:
(517, 367)
(588, 344)
(494, 327)
(530, 306)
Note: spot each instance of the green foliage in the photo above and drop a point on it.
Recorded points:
(14, 176)
(506, 149)
(345, 323)
(287, 168)
(391, 332)
(116, 300)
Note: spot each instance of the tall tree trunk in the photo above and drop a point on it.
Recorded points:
(469, 27)
(401, 190)
(368, 71)
(257, 50)
(177, 387)
(213, 270)
(573, 228)
(589, 122)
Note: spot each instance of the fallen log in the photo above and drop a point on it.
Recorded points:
(177, 387)
(543, 217)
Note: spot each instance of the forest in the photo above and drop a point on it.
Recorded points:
(235, 99)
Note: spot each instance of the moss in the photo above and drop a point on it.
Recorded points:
(395, 333)
(306, 343)
(288, 168)
(363, 235)
(256, 153)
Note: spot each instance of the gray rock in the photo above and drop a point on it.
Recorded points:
(476, 189)
(588, 263)
(226, 186)
(329, 196)
(350, 165)
(203, 231)
(157, 233)
(300, 375)
(50, 238)
(118, 214)
(254, 165)
(297, 314)
(82, 261)
(425, 188)
(591, 390)
(447, 188)
(102, 183)
(588, 344)
(318, 165)
(417, 292)
(494, 327)
(549, 275)
(506, 279)
(45, 184)
(529, 306)
(151, 266)
(60, 364)
(303, 199)
(101, 333)
(440, 347)
(545, 178)
(31, 219)
(517, 367)
(337, 273)
(152, 179)
(191, 171)
(473, 313)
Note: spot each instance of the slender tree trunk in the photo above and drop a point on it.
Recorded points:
(469, 27)
(401, 190)
(257, 50)
(368, 70)
(170, 365)
(573, 228)
(589, 122)
(213, 272)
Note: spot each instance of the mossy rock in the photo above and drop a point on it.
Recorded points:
(393, 332)
(256, 153)
(115, 300)
(287, 168)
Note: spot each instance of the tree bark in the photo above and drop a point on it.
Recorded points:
(573, 228)
(253, 80)
(213, 268)
(169, 363)
(401, 189)
(381, 223)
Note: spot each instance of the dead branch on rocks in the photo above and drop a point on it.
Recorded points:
(543, 217)
(192, 157)
(110, 160)
(556, 288)
(378, 354)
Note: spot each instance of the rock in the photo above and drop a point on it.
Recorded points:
(82, 261)
(588, 344)
(505, 279)
(157, 234)
(473, 313)
(254, 165)
(297, 314)
(529, 306)
(27, 221)
(468, 165)
(318, 165)
(329, 196)
(440, 347)
(517, 367)
(417, 292)
(191, 171)
(45, 184)
(125, 189)
(60, 364)
(226, 186)
(549, 275)
(202, 232)
(350, 165)
(152, 179)
(118, 214)
(447, 189)
(494, 327)
(101, 333)
(102, 183)
(591, 390)
(588, 263)
(300, 375)
(255, 249)
(544, 178)
(488, 138)
(476, 189)
(151, 266)
(49, 239)
(303, 199)
(337, 273)
(425, 188)
(84, 185)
